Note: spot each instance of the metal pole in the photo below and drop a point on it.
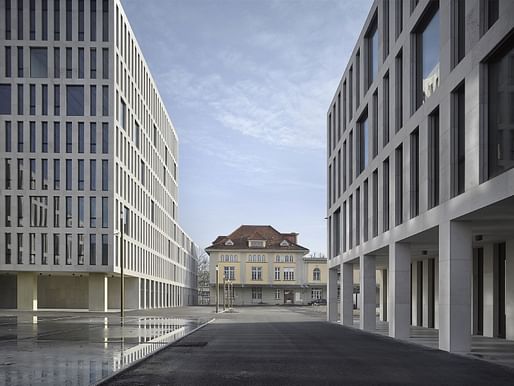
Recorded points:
(224, 290)
(122, 286)
(217, 289)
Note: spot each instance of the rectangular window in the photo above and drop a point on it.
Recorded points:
(20, 99)
(399, 17)
(5, 99)
(398, 189)
(92, 63)
(32, 173)
(57, 137)
(68, 248)
(92, 249)
(398, 100)
(105, 100)
(8, 19)
(92, 137)
(277, 293)
(363, 143)
(44, 99)
(32, 19)
(80, 61)
(57, 100)
(92, 175)
(229, 273)
(350, 93)
(20, 19)
(81, 137)
(69, 209)
(105, 63)
(75, 100)
(92, 20)
(8, 179)
(20, 173)
(44, 137)
(44, 248)
(458, 31)
(350, 222)
(38, 62)
(344, 106)
(256, 293)
(8, 136)
(69, 63)
(81, 211)
(357, 79)
(57, 249)
(105, 250)
(385, 110)
(57, 174)
(57, 62)
(57, 20)
(44, 19)
(69, 174)
(20, 137)
(427, 56)
(374, 122)
(105, 138)
(350, 158)
(7, 211)
(81, 20)
(500, 112)
(32, 99)
(20, 210)
(372, 51)
(20, 248)
(92, 100)
(123, 116)
(489, 13)
(8, 248)
(69, 137)
(105, 20)
(385, 29)
(414, 173)
(433, 159)
(8, 62)
(337, 232)
(44, 174)
(105, 175)
(32, 248)
(57, 212)
(277, 273)
(358, 216)
(289, 274)
(344, 167)
(458, 143)
(80, 184)
(20, 62)
(375, 203)
(69, 20)
(256, 273)
(92, 212)
(105, 212)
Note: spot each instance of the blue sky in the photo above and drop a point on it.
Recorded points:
(247, 84)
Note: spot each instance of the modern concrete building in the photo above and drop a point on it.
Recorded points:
(85, 141)
(421, 184)
(265, 266)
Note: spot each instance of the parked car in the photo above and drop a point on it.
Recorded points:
(318, 302)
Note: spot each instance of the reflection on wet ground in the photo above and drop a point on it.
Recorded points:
(79, 349)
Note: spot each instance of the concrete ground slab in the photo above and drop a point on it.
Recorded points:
(293, 346)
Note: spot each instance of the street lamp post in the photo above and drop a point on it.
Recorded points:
(122, 284)
(217, 289)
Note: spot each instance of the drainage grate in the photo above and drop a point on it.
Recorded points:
(190, 344)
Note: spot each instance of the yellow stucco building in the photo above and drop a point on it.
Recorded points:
(265, 266)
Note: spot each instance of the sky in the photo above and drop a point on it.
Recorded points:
(247, 84)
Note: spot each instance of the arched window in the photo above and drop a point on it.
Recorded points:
(316, 274)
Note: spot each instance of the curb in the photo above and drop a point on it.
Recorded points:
(135, 363)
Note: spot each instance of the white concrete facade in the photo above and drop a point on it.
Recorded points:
(84, 138)
(420, 170)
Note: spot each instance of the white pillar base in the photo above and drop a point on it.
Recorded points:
(332, 295)
(98, 292)
(399, 290)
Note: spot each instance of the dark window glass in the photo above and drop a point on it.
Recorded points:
(20, 173)
(69, 174)
(57, 137)
(69, 20)
(20, 137)
(20, 19)
(56, 249)
(8, 19)
(92, 249)
(398, 189)
(32, 139)
(92, 19)
(105, 175)
(69, 210)
(32, 173)
(32, 94)
(92, 137)
(458, 148)
(75, 100)
(385, 110)
(399, 17)
(105, 20)
(92, 175)
(69, 137)
(69, 63)
(44, 174)
(458, 24)
(105, 212)
(363, 145)
(105, 138)
(80, 184)
(500, 70)
(44, 19)
(372, 51)
(20, 62)
(433, 159)
(57, 175)
(57, 20)
(81, 20)
(414, 173)
(92, 101)
(57, 100)
(81, 63)
(38, 62)
(68, 248)
(44, 99)
(399, 91)
(92, 63)
(32, 19)
(105, 100)
(8, 62)
(105, 63)
(5, 99)
(92, 212)
(489, 14)
(44, 135)
(57, 62)
(20, 99)
(385, 29)
(105, 250)
(8, 136)
(81, 137)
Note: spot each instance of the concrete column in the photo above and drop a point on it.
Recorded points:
(332, 295)
(27, 291)
(509, 289)
(455, 260)
(399, 290)
(98, 292)
(346, 283)
(428, 293)
(490, 292)
(368, 289)
(414, 294)
(132, 293)
(382, 280)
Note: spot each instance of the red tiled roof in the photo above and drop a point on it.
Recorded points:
(244, 233)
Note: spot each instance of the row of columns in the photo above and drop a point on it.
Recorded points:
(445, 298)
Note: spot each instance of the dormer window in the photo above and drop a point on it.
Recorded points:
(229, 242)
(284, 243)
(257, 243)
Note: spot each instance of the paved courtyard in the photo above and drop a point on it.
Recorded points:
(294, 346)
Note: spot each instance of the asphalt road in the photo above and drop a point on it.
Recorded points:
(294, 346)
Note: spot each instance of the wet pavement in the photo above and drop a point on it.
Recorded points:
(72, 348)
